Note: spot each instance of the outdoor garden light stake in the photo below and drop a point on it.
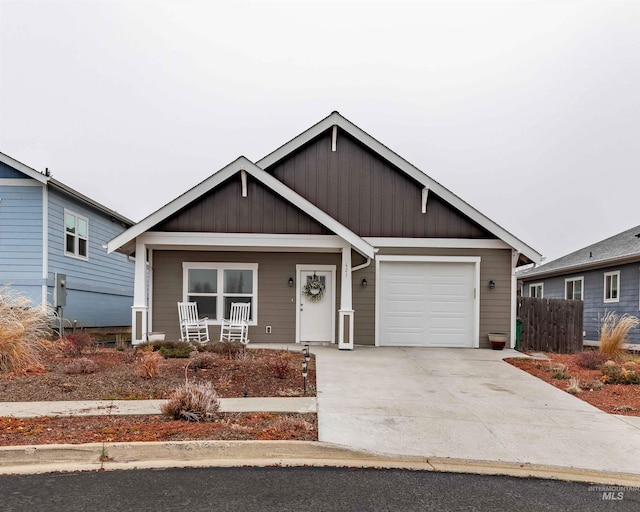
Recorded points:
(304, 375)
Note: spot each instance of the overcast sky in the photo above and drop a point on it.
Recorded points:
(529, 111)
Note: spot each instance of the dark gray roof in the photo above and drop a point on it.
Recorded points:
(611, 251)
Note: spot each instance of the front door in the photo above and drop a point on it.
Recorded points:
(316, 299)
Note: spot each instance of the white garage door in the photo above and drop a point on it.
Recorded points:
(426, 304)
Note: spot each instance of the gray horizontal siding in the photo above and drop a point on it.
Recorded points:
(20, 234)
(594, 305)
(367, 194)
(276, 300)
(495, 305)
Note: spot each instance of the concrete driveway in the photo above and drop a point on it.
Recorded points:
(463, 403)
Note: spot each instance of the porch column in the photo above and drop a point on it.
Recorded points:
(139, 310)
(345, 314)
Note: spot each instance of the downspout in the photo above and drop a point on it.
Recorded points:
(362, 265)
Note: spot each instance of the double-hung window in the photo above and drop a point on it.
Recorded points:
(536, 289)
(574, 288)
(612, 286)
(76, 235)
(215, 286)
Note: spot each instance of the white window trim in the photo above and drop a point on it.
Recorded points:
(221, 267)
(535, 285)
(77, 236)
(604, 287)
(574, 279)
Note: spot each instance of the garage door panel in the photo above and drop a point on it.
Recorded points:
(426, 304)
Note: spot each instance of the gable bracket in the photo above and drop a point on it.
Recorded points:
(425, 196)
(243, 179)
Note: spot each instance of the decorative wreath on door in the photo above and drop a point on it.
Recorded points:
(314, 289)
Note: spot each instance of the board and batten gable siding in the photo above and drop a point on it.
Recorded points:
(21, 256)
(276, 299)
(495, 304)
(99, 289)
(224, 210)
(367, 194)
(594, 305)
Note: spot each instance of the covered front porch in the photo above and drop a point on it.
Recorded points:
(278, 266)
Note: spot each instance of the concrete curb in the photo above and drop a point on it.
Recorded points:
(143, 455)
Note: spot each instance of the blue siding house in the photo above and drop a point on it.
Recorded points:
(605, 275)
(48, 230)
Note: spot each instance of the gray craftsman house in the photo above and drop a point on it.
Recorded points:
(605, 275)
(397, 258)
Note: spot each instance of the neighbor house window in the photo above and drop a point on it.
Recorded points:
(574, 288)
(535, 290)
(612, 286)
(76, 235)
(215, 286)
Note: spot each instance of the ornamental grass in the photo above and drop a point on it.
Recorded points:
(614, 332)
(24, 332)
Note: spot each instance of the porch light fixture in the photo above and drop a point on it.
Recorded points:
(364, 283)
(492, 284)
(290, 282)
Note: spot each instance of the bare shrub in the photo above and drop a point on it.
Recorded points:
(24, 329)
(193, 402)
(76, 344)
(281, 365)
(204, 360)
(591, 359)
(224, 348)
(81, 365)
(149, 365)
(614, 332)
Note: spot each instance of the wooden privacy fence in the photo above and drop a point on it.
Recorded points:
(550, 325)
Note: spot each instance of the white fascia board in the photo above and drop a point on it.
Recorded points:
(19, 182)
(175, 205)
(444, 243)
(269, 181)
(25, 169)
(160, 239)
(411, 170)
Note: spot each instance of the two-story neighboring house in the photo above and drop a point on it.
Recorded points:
(605, 275)
(51, 234)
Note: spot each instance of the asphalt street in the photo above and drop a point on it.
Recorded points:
(302, 489)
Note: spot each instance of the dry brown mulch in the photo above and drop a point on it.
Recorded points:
(117, 377)
(621, 399)
(260, 373)
(98, 429)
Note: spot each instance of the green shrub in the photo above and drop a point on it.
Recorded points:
(169, 349)
(560, 375)
(24, 332)
(615, 374)
(223, 348)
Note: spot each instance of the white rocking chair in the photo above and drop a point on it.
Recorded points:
(192, 328)
(236, 328)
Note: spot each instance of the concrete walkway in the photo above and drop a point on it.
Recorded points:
(135, 407)
(463, 404)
